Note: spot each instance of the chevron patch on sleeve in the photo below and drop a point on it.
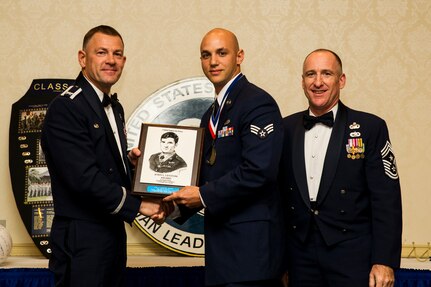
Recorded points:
(262, 132)
(389, 162)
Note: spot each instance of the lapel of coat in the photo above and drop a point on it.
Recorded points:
(207, 135)
(298, 160)
(119, 119)
(94, 102)
(225, 119)
(333, 152)
(224, 116)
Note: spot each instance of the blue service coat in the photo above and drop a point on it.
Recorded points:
(88, 238)
(84, 163)
(356, 197)
(243, 218)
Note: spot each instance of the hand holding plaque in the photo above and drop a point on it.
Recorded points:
(188, 196)
(170, 159)
(156, 209)
(134, 155)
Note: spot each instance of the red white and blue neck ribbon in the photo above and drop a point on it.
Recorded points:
(213, 122)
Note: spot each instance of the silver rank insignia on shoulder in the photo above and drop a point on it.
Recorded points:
(389, 162)
(262, 132)
(355, 148)
(71, 92)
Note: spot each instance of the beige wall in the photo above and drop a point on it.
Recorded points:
(385, 46)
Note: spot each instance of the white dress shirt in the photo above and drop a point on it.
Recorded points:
(315, 146)
(110, 114)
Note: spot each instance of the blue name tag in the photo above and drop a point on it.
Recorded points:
(162, 189)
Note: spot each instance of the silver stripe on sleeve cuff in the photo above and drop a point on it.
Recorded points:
(123, 199)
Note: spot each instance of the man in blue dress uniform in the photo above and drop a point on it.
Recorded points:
(238, 182)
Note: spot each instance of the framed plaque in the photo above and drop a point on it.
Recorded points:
(170, 159)
(30, 178)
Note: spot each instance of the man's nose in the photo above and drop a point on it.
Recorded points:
(110, 58)
(213, 61)
(318, 81)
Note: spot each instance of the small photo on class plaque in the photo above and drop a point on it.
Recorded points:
(170, 159)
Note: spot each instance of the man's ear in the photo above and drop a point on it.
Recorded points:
(342, 81)
(240, 57)
(81, 58)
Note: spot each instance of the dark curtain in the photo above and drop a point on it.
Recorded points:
(165, 277)
(171, 277)
(26, 277)
(412, 278)
(151, 277)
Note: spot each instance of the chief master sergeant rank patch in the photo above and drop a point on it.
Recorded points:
(389, 162)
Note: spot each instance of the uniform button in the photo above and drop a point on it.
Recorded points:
(111, 170)
(342, 211)
(316, 212)
(291, 188)
(343, 191)
(294, 226)
(344, 230)
(292, 207)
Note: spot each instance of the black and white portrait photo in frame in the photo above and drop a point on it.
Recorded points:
(170, 157)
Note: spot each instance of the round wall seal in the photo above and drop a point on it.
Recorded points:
(180, 103)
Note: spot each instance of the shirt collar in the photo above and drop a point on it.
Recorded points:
(98, 92)
(223, 91)
(334, 111)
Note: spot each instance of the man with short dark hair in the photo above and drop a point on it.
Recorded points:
(167, 160)
(84, 142)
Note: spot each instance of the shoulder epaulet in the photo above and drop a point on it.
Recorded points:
(71, 92)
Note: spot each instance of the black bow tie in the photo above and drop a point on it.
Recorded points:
(326, 119)
(109, 100)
